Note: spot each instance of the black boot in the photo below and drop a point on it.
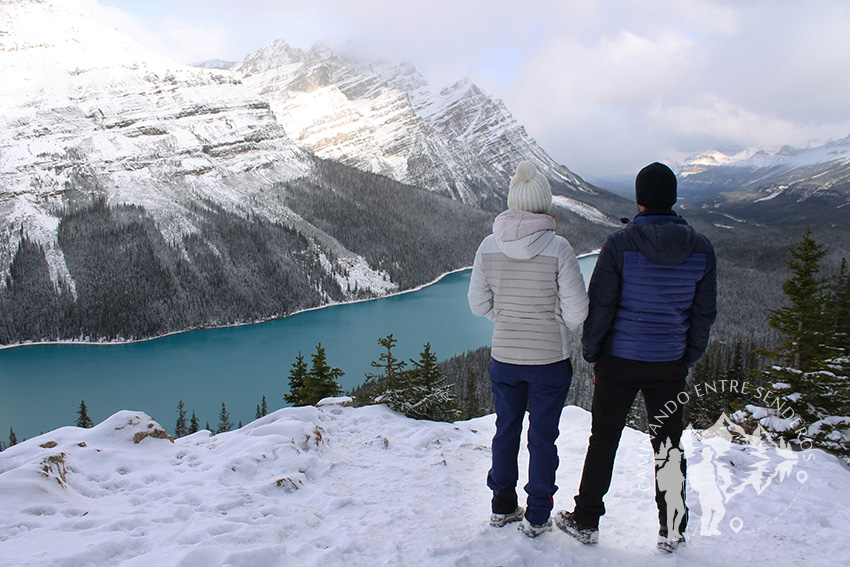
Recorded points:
(505, 509)
(583, 531)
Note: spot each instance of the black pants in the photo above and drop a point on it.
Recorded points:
(618, 381)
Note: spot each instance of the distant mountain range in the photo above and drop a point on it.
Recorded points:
(789, 186)
(140, 196)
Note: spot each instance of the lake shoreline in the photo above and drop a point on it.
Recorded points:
(119, 342)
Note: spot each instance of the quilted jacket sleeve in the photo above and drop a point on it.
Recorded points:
(604, 293)
(571, 290)
(704, 309)
(480, 295)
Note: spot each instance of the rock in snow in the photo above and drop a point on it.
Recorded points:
(337, 485)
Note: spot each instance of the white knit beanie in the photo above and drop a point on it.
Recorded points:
(529, 190)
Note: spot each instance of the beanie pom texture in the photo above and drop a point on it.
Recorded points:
(525, 172)
(529, 190)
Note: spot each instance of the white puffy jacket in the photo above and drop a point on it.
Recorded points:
(526, 279)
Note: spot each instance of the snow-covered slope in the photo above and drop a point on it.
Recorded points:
(338, 485)
(86, 112)
(806, 184)
(201, 190)
(385, 118)
(87, 115)
(84, 107)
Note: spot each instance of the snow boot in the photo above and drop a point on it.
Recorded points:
(669, 544)
(585, 533)
(534, 530)
(505, 509)
(500, 520)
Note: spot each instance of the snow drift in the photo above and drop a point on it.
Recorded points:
(337, 485)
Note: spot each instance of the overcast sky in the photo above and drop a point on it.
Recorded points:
(604, 86)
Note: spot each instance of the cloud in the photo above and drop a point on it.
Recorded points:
(605, 86)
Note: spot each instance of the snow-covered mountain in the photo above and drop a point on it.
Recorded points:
(84, 109)
(89, 116)
(337, 485)
(789, 185)
(206, 184)
(385, 118)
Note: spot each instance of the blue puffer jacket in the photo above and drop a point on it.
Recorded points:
(652, 293)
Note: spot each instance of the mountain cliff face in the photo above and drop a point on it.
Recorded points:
(86, 112)
(384, 118)
(789, 186)
(140, 196)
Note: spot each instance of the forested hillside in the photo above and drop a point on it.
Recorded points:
(129, 283)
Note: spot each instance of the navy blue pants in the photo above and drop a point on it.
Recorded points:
(543, 389)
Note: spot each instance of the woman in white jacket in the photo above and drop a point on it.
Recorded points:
(526, 279)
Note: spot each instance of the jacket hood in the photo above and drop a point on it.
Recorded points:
(522, 235)
(663, 237)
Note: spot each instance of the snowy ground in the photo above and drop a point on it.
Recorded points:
(343, 486)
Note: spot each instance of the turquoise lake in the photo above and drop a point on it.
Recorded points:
(41, 386)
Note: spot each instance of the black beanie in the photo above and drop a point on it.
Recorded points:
(655, 187)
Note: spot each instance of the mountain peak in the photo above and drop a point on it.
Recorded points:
(320, 50)
(383, 118)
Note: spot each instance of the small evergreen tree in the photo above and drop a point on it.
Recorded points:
(322, 380)
(390, 386)
(262, 409)
(13, 439)
(83, 419)
(429, 394)
(811, 384)
(194, 424)
(180, 429)
(224, 423)
(297, 382)
(804, 322)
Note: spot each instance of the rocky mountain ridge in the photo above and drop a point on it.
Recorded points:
(786, 186)
(182, 194)
(385, 118)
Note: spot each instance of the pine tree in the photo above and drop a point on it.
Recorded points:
(429, 396)
(224, 423)
(180, 429)
(804, 323)
(264, 408)
(194, 424)
(322, 380)
(811, 386)
(297, 381)
(389, 387)
(83, 419)
(13, 439)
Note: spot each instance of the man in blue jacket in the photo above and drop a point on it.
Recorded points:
(652, 304)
